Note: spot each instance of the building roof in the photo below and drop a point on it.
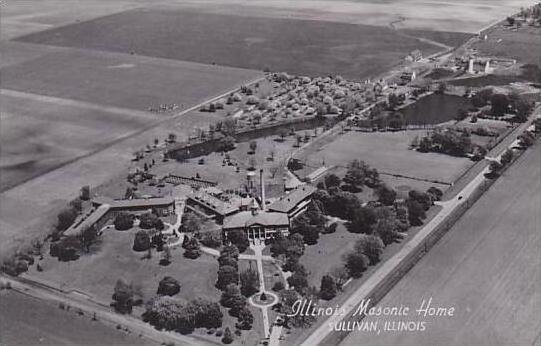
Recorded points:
(289, 201)
(136, 202)
(90, 220)
(218, 205)
(264, 218)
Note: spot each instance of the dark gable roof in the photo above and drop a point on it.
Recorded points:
(263, 218)
(289, 201)
(137, 202)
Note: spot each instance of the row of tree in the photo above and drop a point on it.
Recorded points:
(233, 297)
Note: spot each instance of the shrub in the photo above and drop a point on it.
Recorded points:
(278, 286)
(168, 286)
(141, 241)
(123, 221)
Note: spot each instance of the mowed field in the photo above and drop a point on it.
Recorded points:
(25, 320)
(487, 266)
(388, 152)
(304, 47)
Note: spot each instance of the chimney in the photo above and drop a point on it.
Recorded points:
(262, 181)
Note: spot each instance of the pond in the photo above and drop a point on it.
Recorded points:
(434, 109)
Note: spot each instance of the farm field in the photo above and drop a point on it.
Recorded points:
(121, 80)
(523, 45)
(39, 134)
(487, 267)
(279, 44)
(387, 152)
(29, 321)
(439, 15)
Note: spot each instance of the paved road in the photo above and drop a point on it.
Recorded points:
(320, 333)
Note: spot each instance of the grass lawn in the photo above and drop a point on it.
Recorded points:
(298, 46)
(327, 254)
(388, 152)
(96, 273)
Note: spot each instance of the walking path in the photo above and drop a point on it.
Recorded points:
(364, 291)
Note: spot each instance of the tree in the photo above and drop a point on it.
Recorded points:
(371, 246)
(228, 261)
(416, 212)
(299, 279)
(165, 312)
(392, 100)
(340, 275)
(245, 319)
(354, 177)
(166, 257)
(500, 104)
(66, 219)
(423, 198)
(123, 296)
(435, 193)
(87, 237)
(356, 264)
(362, 221)
(386, 231)
(171, 138)
(141, 241)
(191, 222)
(507, 157)
(227, 143)
(227, 275)
(282, 134)
(123, 221)
(253, 146)
(192, 247)
(148, 220)
(228, 336)
(386, 195)
(230, 251)
(511, 21)
(239, 238)
(526, 139)
(85, 193)
(249, 281)
(77, 205)
(168, 286)
(231, 295)
(328, 288)
(332, 180)
(482, 97)
(229, 127)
